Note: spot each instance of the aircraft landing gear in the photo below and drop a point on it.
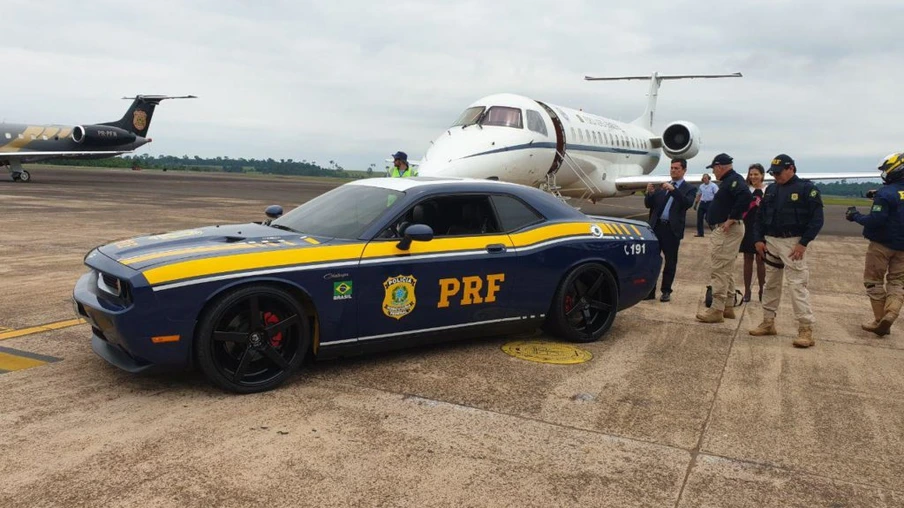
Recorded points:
(17, 173)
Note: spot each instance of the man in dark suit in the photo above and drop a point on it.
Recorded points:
(668, 208)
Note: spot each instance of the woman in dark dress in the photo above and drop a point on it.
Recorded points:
(755, 180)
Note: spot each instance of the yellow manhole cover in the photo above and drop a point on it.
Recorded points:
(547, 352)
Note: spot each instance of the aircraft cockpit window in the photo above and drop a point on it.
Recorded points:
(535, 122)
(503, 116)
(469, 116)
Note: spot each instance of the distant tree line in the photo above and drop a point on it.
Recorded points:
(226, 164)
(845, 188)
(311, 168)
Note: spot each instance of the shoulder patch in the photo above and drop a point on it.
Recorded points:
(813, 193)
(877, 208)
(734, 184)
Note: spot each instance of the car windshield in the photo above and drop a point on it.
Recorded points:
(469, 116)
(344, 212)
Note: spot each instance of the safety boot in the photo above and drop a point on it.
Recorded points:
(767, 327)
(710, 315)
(804, 336)
(892, 309)
(728, 313)
(878, 313)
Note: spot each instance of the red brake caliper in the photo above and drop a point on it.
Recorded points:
(569, 303)
(271, 319)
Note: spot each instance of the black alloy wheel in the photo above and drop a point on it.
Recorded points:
(252, 339)
(584, 306)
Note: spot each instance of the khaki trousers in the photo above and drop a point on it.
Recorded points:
(724, 251)
(879, 261)
(798, 276)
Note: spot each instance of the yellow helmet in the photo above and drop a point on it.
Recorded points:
(892, 167)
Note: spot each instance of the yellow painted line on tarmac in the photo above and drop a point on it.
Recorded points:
(14, 359)
(12, 334)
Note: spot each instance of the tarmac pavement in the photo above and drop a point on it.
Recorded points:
(668, 412)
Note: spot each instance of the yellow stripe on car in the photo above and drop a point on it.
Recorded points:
(195, 268)
(251, 261)
(193, 250)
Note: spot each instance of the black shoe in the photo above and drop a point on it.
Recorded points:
(698, 236)
(651, 296)
(666, 296)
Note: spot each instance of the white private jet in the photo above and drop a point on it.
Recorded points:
(566, 151)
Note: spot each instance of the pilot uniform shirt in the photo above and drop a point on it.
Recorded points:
(731, 201)
(790, 210)
(707, 192)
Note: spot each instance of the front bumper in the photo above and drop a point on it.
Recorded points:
(122, 332)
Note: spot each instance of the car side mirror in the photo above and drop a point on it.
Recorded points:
(415, 233)
(273, 211)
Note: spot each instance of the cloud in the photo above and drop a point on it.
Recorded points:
(354, 81)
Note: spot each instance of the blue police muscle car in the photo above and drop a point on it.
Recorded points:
(373, 264)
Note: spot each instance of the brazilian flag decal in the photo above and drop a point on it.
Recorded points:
(342, 290)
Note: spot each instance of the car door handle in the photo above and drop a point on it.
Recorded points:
(495, 247)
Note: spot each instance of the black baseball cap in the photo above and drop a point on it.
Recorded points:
(779, 163)
(722, 158)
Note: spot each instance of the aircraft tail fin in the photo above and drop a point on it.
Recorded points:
(137, 119)
(646, 119)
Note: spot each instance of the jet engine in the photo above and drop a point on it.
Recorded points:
(681, 139)
(101, 135)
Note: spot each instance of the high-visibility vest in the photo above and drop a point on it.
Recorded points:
(394, 172)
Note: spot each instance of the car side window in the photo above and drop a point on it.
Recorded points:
(463, 215)
(514, 214)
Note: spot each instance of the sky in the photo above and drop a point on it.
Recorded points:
(354, 81)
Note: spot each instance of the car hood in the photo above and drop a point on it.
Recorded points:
(144, 252)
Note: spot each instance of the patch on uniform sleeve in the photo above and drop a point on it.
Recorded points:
(734, 184)
(794, 196)
(877, 208)
(813, 193)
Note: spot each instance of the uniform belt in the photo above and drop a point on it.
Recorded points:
(786, 234)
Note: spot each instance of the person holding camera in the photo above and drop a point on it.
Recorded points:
(791, 215)
(883, 226)
(668, 207)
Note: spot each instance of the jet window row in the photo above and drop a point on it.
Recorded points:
(33, 137)
(605, 138)
(502, 116)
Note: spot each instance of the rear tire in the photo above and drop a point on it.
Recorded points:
(24, 177)
(584, 306)
(252, 339)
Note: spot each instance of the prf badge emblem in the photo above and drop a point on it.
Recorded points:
(399, 299)
(794, 196)
(140, 119)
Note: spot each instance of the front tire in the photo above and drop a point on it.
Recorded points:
(584, 306)
(24, 177)
(252, 339)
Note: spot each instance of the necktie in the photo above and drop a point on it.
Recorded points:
(668, 206)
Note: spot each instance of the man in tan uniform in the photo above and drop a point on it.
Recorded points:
(790, 217)
(883, 226)
(725, 219)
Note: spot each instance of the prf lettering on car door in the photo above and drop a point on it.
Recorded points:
(473, 289)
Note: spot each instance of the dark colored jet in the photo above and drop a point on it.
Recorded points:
(21, 143)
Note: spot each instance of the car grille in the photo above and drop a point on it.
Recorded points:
(109, 284)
